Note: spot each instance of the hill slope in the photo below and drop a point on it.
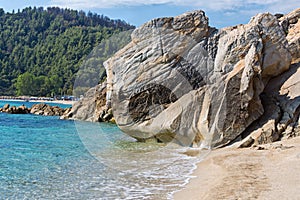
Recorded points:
(42, 49)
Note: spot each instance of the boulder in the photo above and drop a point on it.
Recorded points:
(181, 80)
(38, 109)
(15, 110)
(92, 107)
(282, 108)
(46, 110)
(6, 107)
(12, 110)
(23, 110)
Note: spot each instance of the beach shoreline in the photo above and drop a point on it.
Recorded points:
(268, 172)
(54, 101)
(65, 102)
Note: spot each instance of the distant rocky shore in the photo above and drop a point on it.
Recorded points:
(36, 109)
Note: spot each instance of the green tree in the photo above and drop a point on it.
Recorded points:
(26, 84)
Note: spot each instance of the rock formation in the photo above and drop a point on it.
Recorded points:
(92, 107)
(37, 109)
(15, 110)
(180, 79)
(47, 110)
(281, 96)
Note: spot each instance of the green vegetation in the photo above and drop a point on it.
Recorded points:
(41, 50)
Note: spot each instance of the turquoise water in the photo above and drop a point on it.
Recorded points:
(42, 157)
(29, 104)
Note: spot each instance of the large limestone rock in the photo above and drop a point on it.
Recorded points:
(180, 79)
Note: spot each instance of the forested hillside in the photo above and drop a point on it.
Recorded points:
(41, 50)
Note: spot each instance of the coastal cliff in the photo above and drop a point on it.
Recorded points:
(180, 79)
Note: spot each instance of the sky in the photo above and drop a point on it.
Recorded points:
(221, 13)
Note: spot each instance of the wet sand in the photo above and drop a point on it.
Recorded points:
(273, 172)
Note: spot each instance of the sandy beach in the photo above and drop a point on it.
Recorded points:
(55, 101)
(269, 172)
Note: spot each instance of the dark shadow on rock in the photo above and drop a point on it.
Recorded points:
(277, 107)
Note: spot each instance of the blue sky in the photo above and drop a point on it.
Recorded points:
(221, 13)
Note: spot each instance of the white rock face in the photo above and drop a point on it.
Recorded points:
(180, 79)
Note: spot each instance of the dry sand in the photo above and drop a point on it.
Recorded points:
(54, 101)
(230, 173)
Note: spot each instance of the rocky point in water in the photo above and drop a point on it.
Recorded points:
(92, 107)
(36, 109)
(47, 110)
(180, 79)
(15, 110)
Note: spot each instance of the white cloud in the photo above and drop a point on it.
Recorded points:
(84, 4)
(245, 5)
(285, 6)
(216, 5)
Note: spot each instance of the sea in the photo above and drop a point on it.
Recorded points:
(43, 157)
